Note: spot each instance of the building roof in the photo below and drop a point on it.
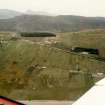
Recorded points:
(95, 96)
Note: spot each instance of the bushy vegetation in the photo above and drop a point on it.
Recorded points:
(37, 34)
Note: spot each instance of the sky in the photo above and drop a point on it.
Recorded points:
(59, 7)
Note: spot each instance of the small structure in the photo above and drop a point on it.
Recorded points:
(7, 101)
(85, 50)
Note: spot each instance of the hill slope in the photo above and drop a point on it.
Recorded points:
(86, 39)
(66, 23)
(33, 71)
(6, 14)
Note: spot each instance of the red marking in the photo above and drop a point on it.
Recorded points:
(5, 102)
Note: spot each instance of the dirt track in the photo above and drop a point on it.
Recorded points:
(47, 102)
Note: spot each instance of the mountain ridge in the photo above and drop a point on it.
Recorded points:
(61, 23)
(6, 13)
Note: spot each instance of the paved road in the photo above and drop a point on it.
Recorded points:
(47, 102)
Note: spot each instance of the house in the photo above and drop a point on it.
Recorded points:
(7, 101)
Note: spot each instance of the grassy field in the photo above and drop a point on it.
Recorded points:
(32, 71)
(88, 39)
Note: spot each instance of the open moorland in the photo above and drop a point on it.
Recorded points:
(46, 69)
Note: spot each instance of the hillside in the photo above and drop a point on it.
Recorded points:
(88, 38)
(62, 23)
(33, 71)
(6, 14)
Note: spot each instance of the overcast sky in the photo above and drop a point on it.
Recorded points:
(70, 7)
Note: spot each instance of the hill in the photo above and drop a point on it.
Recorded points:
(87, 39)
(6, 14)
(37, 71)
(63, 23)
